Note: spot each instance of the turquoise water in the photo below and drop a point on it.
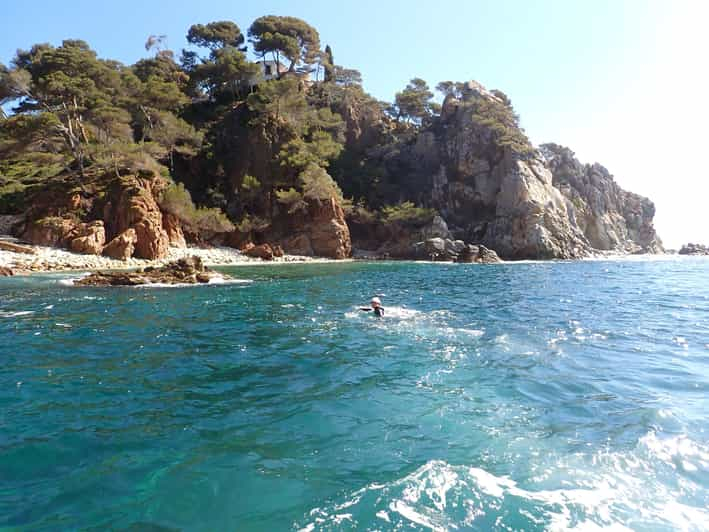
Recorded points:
(522, 396)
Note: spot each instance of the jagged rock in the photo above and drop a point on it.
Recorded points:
(123, 246)
(328, 231)
(133, 205)
(478, 254)
(173, 228)
(610, 217)
(90, 238)
(6, 272)
(277, 250)
(694, 249)
(16, 248)
(262, 251)
(187, 270)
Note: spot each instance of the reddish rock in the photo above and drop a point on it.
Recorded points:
(91, 238)
(133, 205)
(6, 272)
(173, 228)
(277, 250)
(298, 245)
(246, 246)
(328, 231)
(123, 246)
(50, 231)
(15, 248)
(262, 251)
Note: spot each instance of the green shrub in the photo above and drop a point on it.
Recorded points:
(318, 185)
(407, 213)
(177, 201)
(292, 199)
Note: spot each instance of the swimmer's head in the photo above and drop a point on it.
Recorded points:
(376, 302)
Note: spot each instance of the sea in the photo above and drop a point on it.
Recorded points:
(518, 396)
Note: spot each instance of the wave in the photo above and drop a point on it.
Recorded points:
(618, 491)
(15, 314)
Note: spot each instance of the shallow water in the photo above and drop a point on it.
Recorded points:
(521, 396)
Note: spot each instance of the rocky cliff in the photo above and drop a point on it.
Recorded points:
(476, 167)
(610, 217)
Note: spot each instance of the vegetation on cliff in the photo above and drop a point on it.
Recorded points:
(254, 130)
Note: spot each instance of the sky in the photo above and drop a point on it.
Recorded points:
(621, 82)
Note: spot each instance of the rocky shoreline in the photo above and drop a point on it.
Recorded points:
(52, 259)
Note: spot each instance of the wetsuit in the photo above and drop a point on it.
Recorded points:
(379, 311)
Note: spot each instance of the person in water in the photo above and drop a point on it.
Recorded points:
(376, 307)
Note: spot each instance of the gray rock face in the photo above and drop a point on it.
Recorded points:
(694, 249)
(498, 194)
(610, 217)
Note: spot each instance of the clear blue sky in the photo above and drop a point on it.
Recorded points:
(620, 82)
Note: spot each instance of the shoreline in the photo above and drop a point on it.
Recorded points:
(57, 260)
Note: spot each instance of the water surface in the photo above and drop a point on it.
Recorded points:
(520, 396)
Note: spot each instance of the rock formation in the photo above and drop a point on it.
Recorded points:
(610, 217)
(90, 238)
(694, 249)
(184, 271)
(123, 246)
(321, 231)
(476, 167)
(133, 205)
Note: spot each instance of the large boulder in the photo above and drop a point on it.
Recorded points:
(262, 251)
(90, 238)
(50, 231)
(123, 246)
(478, 254)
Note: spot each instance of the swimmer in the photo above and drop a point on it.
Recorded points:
(376, 307)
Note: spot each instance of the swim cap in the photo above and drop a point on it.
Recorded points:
(376, 300)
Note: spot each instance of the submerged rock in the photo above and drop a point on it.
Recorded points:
(183, 271)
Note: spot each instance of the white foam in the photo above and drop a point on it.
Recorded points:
(15, 314)
(604, 491)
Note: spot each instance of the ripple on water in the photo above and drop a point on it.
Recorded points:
(523, 396)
